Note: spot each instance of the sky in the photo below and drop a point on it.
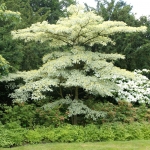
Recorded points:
(140, 7)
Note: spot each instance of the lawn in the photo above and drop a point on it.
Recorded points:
(114, 145)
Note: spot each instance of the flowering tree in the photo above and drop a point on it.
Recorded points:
(76, 67)
(134, 90)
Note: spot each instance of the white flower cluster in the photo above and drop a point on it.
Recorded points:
(79, 28)
(69, 69)
(137, 90)
(75, 107)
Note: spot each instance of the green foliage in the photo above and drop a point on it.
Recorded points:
(135, 131)
(145, 130)
(106, 133)
(134, 46)
(123, 112)
(143, 113)
(15, 49)
(50, 117)
(68, 133)
(4, 66)
(33, 136)
(53, 9)
(116, 10)
(51, 136)
(29, 115)
(11, 135)
(121, 133)
(6, 15)
(23, 114)
(91, 133)
(143, 61)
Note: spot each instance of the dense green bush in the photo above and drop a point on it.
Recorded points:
(123, 112)
(11, 135)
(21, 113)
(121, 133)
(29, 115)
(33, 136)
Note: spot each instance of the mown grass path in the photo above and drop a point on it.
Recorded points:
(112, 145)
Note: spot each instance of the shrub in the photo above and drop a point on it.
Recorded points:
(145, 128)
(49, 117)
(91, 133)
(33, 136)
(135, 131)
(133, 90)
(67, 133)
(11, 135)
(21, 113)
(51, 136)
(123, 112)
(120, 132)
(29, 115)
(106, 133)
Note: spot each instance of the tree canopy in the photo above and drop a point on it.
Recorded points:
(75, 67)
(77, 29)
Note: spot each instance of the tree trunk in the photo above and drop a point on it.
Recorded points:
(74, 120)
(75, 117)
(76, 93)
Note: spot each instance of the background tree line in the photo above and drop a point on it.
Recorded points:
(134, 46)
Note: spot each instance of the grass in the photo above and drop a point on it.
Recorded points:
(113, 145)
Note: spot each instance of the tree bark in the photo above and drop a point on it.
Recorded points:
(60, 90)
(76, 93)
(74, 120)
(75, 117)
